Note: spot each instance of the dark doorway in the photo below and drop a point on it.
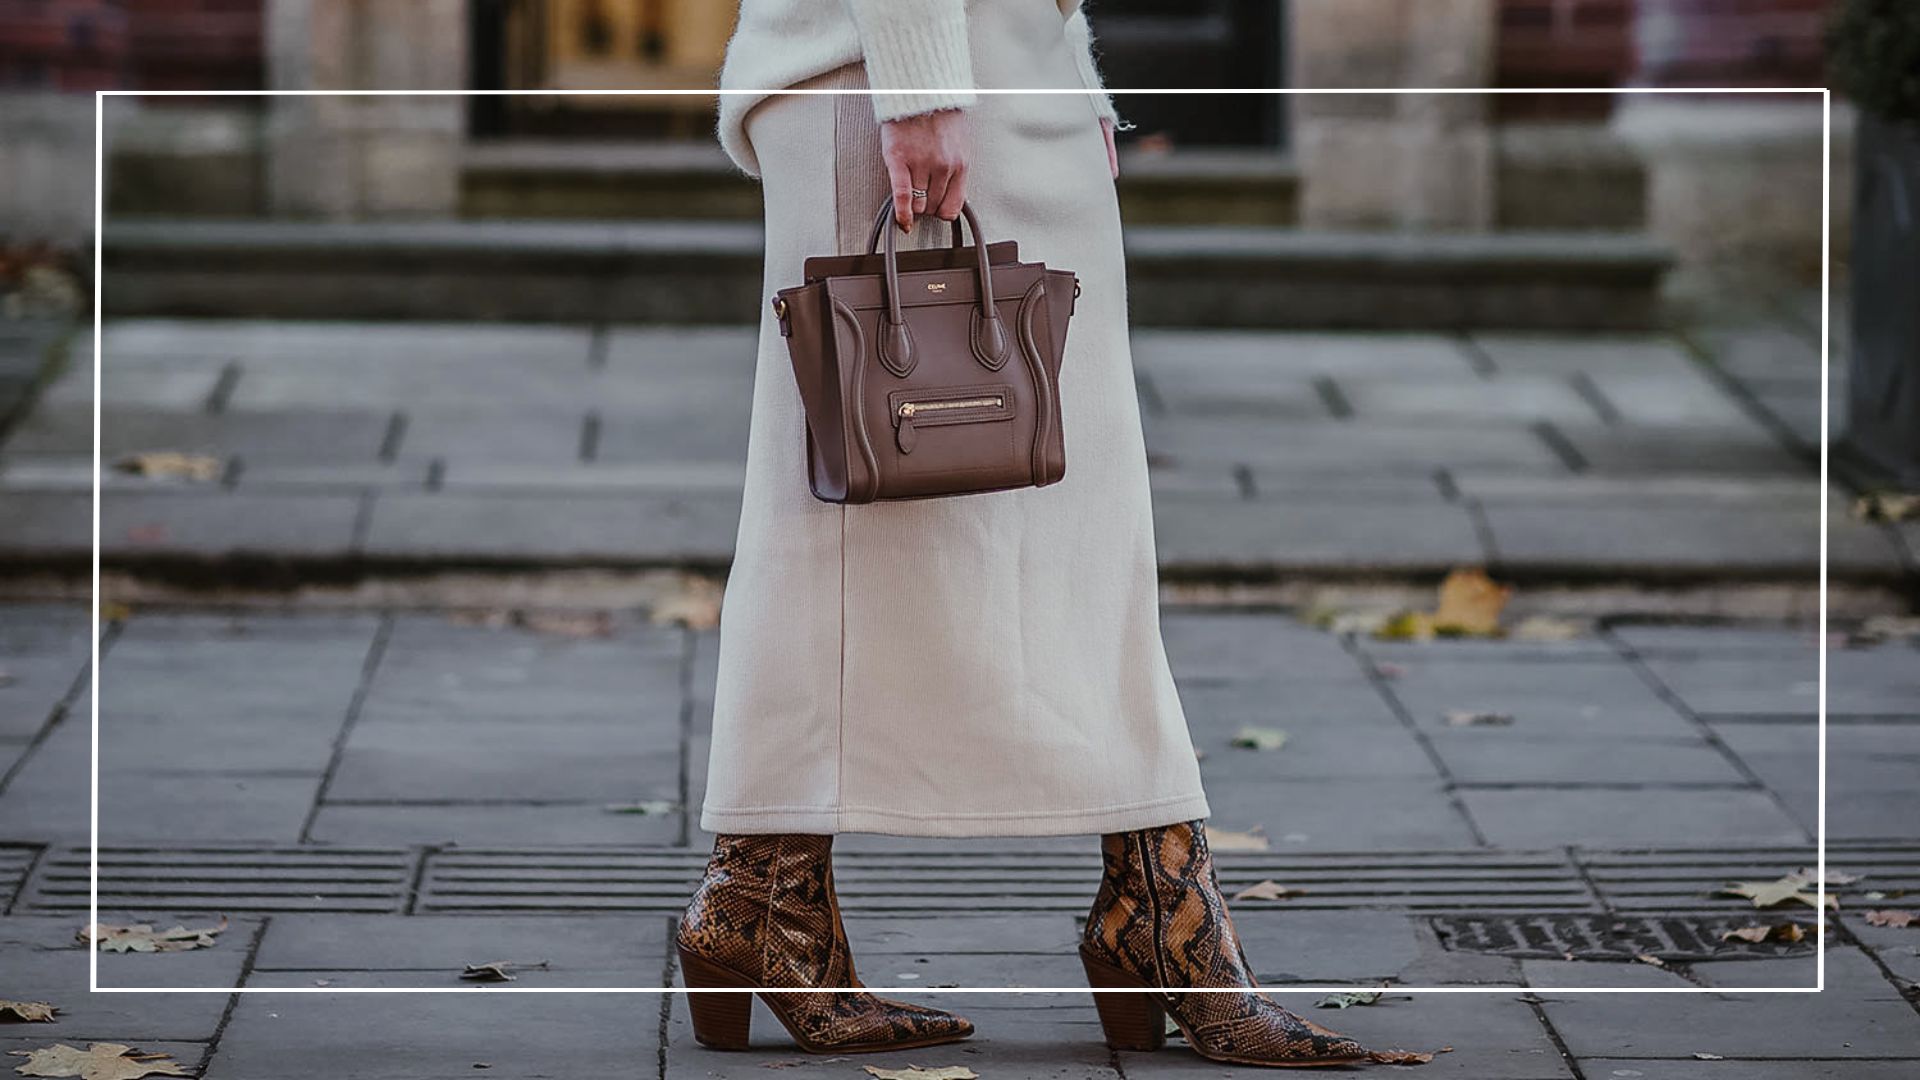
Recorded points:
(1196, 43)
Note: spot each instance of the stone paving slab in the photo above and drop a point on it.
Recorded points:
(1484, 755)
(1647, 537)
(484, 822)
(1878, 681)
(469, 759)
(438, 1036)
(1305, 533)
(1860, 1016)
(680, 528)
(441, 946)
(1530, 817)
(1870, 771)
(43, 964)
(225, 525)
(1749, 1069)
(1563, 354)
(1575, 697)
(1345, 816)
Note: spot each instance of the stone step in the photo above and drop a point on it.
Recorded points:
(572, 180)
(710, 272)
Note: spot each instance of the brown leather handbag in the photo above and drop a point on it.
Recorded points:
(928, 373)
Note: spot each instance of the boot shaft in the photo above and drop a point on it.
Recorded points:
(766, 908)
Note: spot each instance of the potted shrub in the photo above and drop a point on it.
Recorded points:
(1874, 53)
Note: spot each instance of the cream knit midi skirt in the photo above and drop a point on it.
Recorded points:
(988, 665)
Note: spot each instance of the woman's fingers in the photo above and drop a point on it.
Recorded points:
(924, 183)
(925, 155)
(953, 195)
(902, 194)
(937, 186)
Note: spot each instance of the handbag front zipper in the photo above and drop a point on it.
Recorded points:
(906, 435)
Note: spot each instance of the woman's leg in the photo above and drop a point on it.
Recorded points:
(1159, 921)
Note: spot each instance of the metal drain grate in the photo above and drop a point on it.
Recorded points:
(1681, 879)
(14, 862)
(469, 880)
(1676, 938)
(233, 880)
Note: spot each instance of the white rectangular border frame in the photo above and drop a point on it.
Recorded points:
(93, 812)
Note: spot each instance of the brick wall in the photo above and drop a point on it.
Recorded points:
(1731, 42)
(195, 44)
(87, 45)
(75, 45)
(1653, 42)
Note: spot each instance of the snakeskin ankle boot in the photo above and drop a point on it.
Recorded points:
(765, 916)
(1159, 924)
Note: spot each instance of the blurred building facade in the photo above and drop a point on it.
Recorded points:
(1722, 177)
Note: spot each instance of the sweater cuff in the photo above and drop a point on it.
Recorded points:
(1080, 43)
(916, 55)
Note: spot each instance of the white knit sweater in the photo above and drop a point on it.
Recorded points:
(915, 52)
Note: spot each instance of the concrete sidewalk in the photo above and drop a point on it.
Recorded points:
(381, 798)
(342, 449)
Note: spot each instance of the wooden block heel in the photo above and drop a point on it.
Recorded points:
(1133, 1019)
(721, 1021)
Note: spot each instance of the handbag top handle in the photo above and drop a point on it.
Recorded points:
(990, 339)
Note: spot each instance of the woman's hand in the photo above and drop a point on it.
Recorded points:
(1113, 155)
(926, 158)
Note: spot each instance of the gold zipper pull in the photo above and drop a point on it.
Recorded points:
(905, 435)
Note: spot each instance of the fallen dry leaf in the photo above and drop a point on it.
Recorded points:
(694, 604)
(915, 1072)
(1470, 718)
(1470, 604)
(1794, 887)
(144, 938)
(1899, 920)
(1790, 932)
(1835, 878)
(1269, 890)
(1650, 959)
(1887, 506)
(1259, 738)
(1228, 840)
(1405, 1057)
(498, 971)
(1349, 1000)
(1406, 626)
(26, 1012)
(99, 1061)
(171, 465)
